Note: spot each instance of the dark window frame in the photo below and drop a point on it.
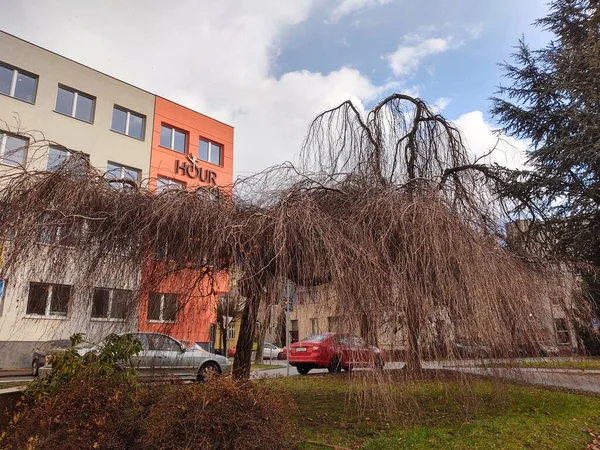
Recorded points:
(4, 135)
(16, 71)
(171, 147)
(129, 113)
(51, 299)
(162, 307)
(210, 144)
(77, 93)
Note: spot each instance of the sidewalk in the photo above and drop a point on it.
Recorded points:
(5, 373)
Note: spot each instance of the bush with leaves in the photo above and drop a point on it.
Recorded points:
(102, 361)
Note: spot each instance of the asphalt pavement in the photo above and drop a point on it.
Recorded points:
(588, 380)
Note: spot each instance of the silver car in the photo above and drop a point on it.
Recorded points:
(165, 357)
(271, 351)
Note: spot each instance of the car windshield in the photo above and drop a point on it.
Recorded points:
(63, 343)
(315, 338)
(191, 345)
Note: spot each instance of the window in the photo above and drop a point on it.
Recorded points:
(162, 343)
(13, 149)
(210, 152)
(18, 84)
(48, 299)
(116, 171)
(58, 157)
(57, 229)
(3, 283)
(127, 122)
(562, 331)
(333, 324)
(314, 326)
(294, 333)
(162, 307)
(231, 331)
(75, 104)
(110, 303)
(173, 139)
(167, 184)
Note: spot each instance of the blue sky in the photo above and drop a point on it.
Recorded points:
(267, 67)
(466, 75)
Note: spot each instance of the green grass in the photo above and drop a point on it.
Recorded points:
(439, 415)
(583, 364)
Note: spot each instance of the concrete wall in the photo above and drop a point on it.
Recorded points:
(95, 139)
(20, 332)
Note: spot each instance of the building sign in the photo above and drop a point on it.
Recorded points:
(191, 169)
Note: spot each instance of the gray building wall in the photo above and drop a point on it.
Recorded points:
(19, 332)
(95, 139)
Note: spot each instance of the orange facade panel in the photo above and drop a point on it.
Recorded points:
(189, 149)
(197, 152)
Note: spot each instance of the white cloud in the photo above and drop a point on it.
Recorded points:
(480, 138)
(215, 57)
(406, 59)
(441, 104)
(346, 7)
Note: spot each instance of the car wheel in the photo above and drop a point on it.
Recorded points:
(35, 368)
(302, 370)
(379, 362)
(335, 365)
(208, 370)
(280, 356)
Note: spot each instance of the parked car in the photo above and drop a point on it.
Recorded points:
(334, 351)
(283, 353)
(164, 356)
(271, 351)
(231, 351)
(42, 354)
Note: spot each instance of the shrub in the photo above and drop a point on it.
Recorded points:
(221, 414)
(102, 361)
(88, 412)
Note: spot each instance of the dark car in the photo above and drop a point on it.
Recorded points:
(42, 354)
(335, 352)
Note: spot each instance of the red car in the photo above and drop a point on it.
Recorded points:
(334, 351)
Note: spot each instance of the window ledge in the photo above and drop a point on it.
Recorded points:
(17, 98)
(162, 321)
(40, 316)
(73, 117)
(107, 319)
(132, 137)
(172, 150)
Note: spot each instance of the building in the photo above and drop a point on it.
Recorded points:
(49, 103)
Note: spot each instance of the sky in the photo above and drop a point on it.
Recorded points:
(268, 67)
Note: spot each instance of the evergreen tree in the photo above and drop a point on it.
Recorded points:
(552, 99)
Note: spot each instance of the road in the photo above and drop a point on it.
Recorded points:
(588, 381)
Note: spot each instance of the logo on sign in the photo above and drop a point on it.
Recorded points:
(191, 169)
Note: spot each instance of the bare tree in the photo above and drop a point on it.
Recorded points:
(388, 210)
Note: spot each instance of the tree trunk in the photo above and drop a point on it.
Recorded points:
(413, 352)
(243, 354)
(224, 339)
(258, 358)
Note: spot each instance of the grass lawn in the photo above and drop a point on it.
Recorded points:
(582, 364)
(439, 415)
(265, 366)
